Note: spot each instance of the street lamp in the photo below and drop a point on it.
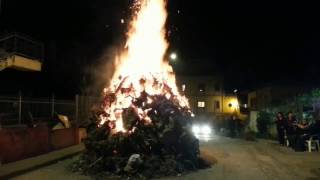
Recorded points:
(173, 56)
(235, 103)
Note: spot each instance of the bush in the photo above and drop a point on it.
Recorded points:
(264, 120)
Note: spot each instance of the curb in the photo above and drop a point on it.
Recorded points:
(20, 167)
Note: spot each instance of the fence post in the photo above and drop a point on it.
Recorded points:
(19, 108)
(77, 109)
(52, 105)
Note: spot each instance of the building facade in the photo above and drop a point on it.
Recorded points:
(207, 96)
(270, 96)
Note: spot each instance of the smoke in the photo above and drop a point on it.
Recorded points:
(100, 73)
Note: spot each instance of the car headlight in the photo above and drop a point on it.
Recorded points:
(196, 129)
(206, 129)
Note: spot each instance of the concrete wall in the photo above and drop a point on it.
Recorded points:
(209, 103)
(212, 85)
(213, 91)
(252, 100)
(62, 138)
(230, 100)
(253, 120)
(18, 143)
(272, 96)
(21, 142)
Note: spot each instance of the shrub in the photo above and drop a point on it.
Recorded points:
(264, 120)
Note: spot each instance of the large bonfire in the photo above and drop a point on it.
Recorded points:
(143, 128)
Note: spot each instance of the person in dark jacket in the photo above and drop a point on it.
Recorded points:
(309, 130)
(290, 124)
(281, 124)
(291, 129)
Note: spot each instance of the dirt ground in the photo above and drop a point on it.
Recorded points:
(232, 159)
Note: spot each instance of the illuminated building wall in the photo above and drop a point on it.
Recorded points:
(206, 95)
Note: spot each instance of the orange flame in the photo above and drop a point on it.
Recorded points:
(142, 66)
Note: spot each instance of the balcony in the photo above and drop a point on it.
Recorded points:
(20, 52)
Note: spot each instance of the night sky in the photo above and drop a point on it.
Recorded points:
(250, 43)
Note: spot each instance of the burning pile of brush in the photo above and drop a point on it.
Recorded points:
(143, 127)
(155, 139)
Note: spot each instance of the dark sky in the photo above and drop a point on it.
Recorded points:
(249, 42)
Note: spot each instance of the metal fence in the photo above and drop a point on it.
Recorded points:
(85, 106)
(22, 110)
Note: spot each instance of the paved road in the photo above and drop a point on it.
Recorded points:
(233, 159)
(239, 159)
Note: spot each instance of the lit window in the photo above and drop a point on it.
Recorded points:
(183, 87)
(201, 104)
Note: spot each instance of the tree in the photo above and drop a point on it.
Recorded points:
(264, 120)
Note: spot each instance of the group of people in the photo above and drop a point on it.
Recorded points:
(295, 132)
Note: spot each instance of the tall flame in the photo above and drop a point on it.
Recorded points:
(142, 67)
(146, 41)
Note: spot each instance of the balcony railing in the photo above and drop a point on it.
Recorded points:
(17, 44)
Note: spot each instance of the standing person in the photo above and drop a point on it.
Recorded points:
(291, 128)
(281, 124)
(234, 126)
(290, 124)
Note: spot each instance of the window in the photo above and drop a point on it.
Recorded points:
(202, 87)
(201, 104)
(216, 105)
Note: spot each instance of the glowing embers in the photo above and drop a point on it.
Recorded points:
(138, 98)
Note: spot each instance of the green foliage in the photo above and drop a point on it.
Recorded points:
(294, 104)
(308, 98)
(316, 93)
(264, 120)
